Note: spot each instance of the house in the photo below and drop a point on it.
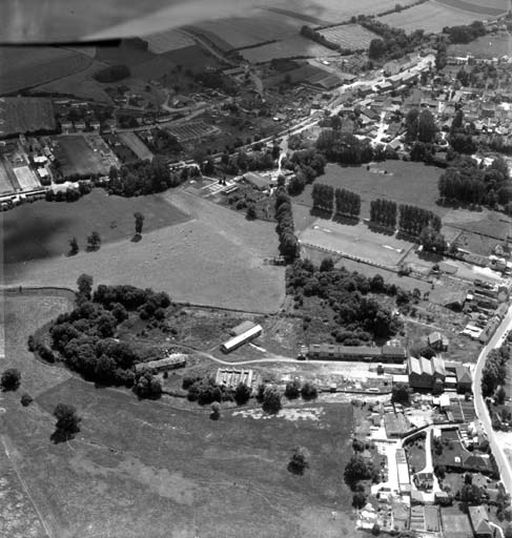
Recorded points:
(464, 379)
(480, 522)
(172, 361)
(437, 341)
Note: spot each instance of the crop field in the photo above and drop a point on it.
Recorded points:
(292, 47)
(215, 259)
(349, 36)
(168, 40)
(240, 32)
(355, 240)
(430, 16)
(25, 67)
(192, 130)
(76, 157)
(26, 114)
(405, 183)
(490, 46)
(136, 145)
(26, 178)
(493, 8)
(47, 226)
(333, 11)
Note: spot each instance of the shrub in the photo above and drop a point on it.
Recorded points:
(11, 379)
(26, 399)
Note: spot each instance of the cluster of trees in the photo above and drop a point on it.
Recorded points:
(71, 194)
(307, 164)
(299, 461)
(359, 468)
(383, 213)
(464, 181)
(312, 34)
(248, 162)
(432, 240)
(420, 126)
(294, 389)
(10, 380)
(162, 142)
(393, 43)
(113, 73)
(344, 148)
(495, 370)
(143, 177)
(270, 399)
(465, 33)
(68, 423)
(400, 394)
(205, 391)
(413, 220)
(288, 242)
(347, 203)
(323, 197)
(346, 294)
(83, 339)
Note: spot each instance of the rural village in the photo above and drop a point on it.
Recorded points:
(257, 277)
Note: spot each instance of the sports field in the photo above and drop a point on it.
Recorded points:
(216, 259)
(349, 36)
(490, 46)
(27, 179)
(48, 226)
(355, 241)
(292, 47)
(151, 469)
(405, 183)
(430, 16)
(76, 157)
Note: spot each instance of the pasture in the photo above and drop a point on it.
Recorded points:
(430, 16)
(48, 226)
(292, 47)
(26, 67)
(405, 183)
(214, 259)
(26, 115)
(349, 36)
(77, 157)
(143, 467)
(355, 241)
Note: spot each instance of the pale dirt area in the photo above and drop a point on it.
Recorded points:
(215, 259)
(293, 415)
(505, 440)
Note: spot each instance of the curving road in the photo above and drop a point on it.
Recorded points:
(504, 465)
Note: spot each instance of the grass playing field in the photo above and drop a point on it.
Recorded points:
(157, 470)
(405, 183)
(76, 157)
(491, 46)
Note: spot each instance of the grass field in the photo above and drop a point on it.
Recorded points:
(47, 227)
(430, 16)
(26, 115)
(490, 46)
(76, 157)
(5, 183)
(405, 183)
(25, 67)
(292, 47)
(152, 469)
(349, 36)
(168, 40)
(216, 259)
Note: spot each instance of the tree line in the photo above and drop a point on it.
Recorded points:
(316, 36)
(288, 242)
(465, 33)
(343, 201)
(413, 220)
(383, 213)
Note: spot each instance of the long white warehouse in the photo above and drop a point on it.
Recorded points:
(241, 339)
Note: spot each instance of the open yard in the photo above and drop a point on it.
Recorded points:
(349, 36)
(216, 259)
(404, 182)
(430, 16)
(154, 469)
(48, 226)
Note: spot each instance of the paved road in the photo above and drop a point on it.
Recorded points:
(482, 412)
